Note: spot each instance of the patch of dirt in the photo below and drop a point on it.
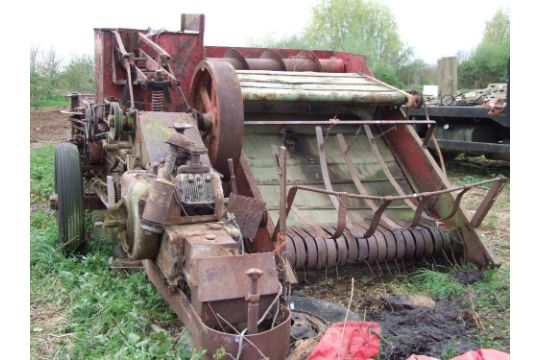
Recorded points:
(48, 125)
(302, 349)
(428, 330)
(46, 330)
(408, 302)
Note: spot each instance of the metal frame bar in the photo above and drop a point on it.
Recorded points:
(386, 200)
(295, 210)
(333, 122)
(382, 164)
(337, 201)
(163, 55)
(487, 203)
(359, 186)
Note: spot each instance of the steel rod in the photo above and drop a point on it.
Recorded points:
(397, 197)
(234, 185)
(487, 203)
(336, 122)
(282, 193)
(342, 211)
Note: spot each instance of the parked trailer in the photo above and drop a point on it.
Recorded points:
(474, 127)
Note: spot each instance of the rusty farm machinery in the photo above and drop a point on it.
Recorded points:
(227, 170)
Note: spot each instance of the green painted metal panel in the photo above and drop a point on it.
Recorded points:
(303, 167)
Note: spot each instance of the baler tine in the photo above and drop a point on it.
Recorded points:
(181, 144)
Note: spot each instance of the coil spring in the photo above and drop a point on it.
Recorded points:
(157, 100)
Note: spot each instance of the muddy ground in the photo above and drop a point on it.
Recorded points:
(48, 125)
(412, 324)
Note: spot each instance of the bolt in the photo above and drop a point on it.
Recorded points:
(253, 300)
(254, 274)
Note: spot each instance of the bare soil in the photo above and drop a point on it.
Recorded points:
(411, 329)
(48, 125)
(47, 321)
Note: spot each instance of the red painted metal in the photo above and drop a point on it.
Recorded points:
(183, 50)
(294, 59)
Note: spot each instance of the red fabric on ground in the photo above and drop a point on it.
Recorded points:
(480, 354)
(483, 354)
(360, 341)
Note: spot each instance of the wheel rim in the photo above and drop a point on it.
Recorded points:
(215, 91)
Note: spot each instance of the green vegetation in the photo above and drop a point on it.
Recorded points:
(488, 63)
(50, 102)
(485, 303)
(106, 313)
(368, 27)
(491, 299)
(436, 284)
(49, 80)
(357, 26)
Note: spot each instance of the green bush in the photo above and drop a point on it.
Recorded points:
(388, 75)
(488, 63)
(49, 80)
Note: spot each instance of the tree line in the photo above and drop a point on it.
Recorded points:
(357, 26)
(368, 27)
(51, 78)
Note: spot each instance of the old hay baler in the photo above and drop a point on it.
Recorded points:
(227, 170)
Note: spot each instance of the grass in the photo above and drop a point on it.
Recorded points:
(491, 299)
(51, 102)
(436, 284)
(83, 309)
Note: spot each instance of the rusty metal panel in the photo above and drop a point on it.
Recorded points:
(224, 277)
(155, 127)
(272, 344)
(249, 213)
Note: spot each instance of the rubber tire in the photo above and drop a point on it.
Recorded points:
(69, 190)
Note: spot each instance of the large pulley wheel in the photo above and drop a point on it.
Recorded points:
(215, 92)
(70, 197)
(117, 121)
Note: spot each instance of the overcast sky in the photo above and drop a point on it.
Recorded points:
(433, 28)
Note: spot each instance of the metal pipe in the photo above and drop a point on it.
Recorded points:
(240, 62)
(234, 185)
(397, 197)
(337, 122)
(282, 195)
